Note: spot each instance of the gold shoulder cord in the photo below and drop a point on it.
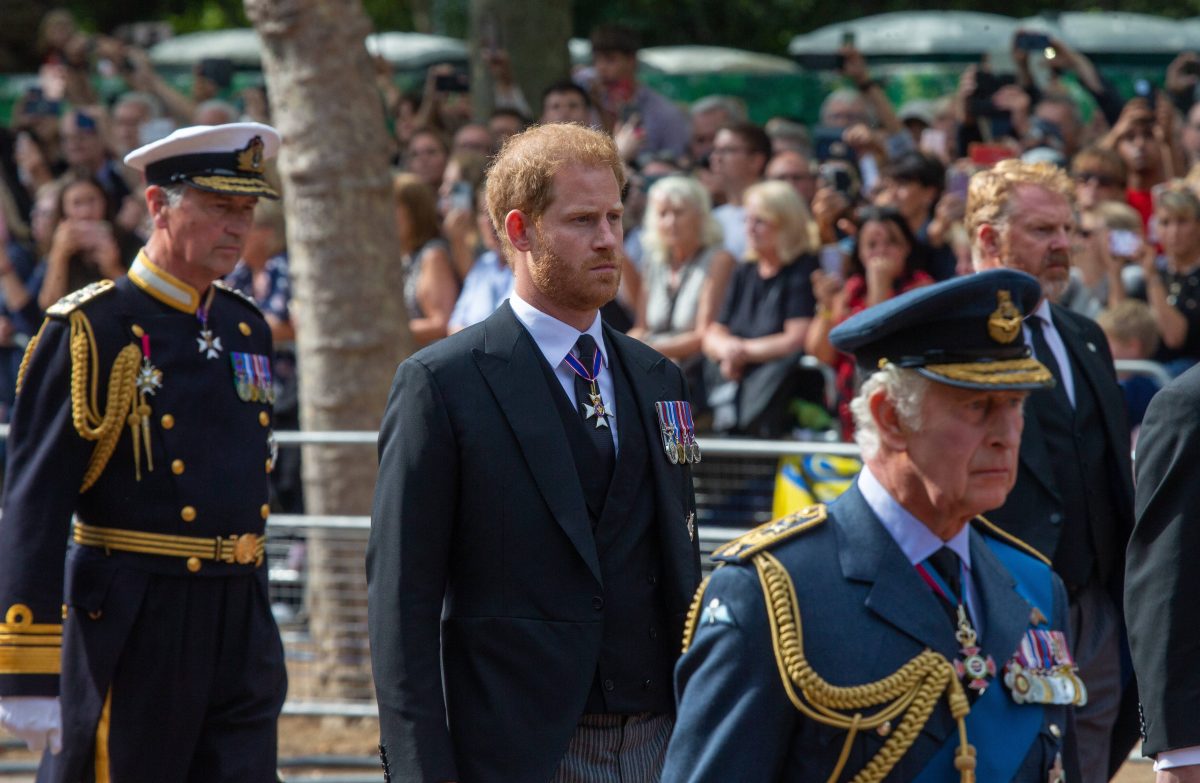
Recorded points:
(29, 354)
(123, 402)
(689, 623)
(913, 690)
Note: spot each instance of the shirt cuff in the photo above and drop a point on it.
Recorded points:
(1179, 757)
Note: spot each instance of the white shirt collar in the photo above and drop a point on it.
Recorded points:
(554, 338)
(914, 538)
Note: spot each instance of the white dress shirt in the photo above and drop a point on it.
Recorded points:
(914, 538)
(1057, 346)
(555, 340)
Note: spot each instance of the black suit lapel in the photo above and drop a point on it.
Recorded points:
(1034, 455)
(510, 366)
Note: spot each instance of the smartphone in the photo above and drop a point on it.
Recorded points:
(1123, 243)
(821, 62)
(828, 144)
(1192, 68)
(85, 122)
(1030, 41)
(452, 82)
(848, 38)
(831, 260)
(218, 70)
(1144, 89)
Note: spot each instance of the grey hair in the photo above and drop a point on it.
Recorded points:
(733, 108)
(147, 100)
(216, 104)
(679, 189)
(904, 387)
(174, 193)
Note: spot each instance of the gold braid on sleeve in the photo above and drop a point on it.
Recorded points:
(912, 691)
(689, 623)
(123, 404)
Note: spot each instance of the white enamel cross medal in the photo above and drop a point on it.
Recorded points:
(596, 410)
(209, 345)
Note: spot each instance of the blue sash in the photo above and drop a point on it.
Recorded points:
(997, 724)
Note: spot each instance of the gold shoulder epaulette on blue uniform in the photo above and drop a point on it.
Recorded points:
(767, 535)
(221, 286)
(899, 704)
(989, 528)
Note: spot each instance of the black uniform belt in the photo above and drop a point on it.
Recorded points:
(242, 549)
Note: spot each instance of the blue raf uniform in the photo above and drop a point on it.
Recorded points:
(139, 455)
(820, 648)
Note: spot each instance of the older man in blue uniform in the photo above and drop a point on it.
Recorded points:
(137, 642)
(895, 634)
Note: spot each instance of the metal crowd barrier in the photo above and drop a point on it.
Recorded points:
(734, 492)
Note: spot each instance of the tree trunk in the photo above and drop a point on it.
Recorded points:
(351, 327)
(535, 35)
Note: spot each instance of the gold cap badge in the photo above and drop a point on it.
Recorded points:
(1004, 324)
(250, 158)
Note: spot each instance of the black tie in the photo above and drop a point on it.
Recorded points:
(945, 561)
(1037, 330)
(601, 437)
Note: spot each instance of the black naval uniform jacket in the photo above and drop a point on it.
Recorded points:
(490, 592)
(209, 451)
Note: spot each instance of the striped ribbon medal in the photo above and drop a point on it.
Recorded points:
(678, 431)
(596, 410)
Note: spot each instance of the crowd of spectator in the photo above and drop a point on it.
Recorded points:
(745, 243)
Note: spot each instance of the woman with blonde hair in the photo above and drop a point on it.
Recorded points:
(686, 268)
(430, 285)
(754, 345)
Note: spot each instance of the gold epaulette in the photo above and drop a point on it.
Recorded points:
(76, 299)
(989, 528)
(220, 286)
(767, 535)
(26, 647)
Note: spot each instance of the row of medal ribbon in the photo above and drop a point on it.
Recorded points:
(678, 431)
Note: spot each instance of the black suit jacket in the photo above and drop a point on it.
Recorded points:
(1034, 509)
(1163, 581)
(481, 550)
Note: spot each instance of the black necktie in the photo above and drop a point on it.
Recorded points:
(1037, 330)
(601, 436)
(945, 561)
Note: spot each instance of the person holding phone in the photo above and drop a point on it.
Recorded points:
(887, 261)
(618, 96)
(86, 246)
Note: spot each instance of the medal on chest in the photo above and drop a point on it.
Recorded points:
(209, 345)
(594, 410)
(974, 668)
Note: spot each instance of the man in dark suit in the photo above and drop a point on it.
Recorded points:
(1073, 500)
(846, 642)
(1163, 581)
(533, 545)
